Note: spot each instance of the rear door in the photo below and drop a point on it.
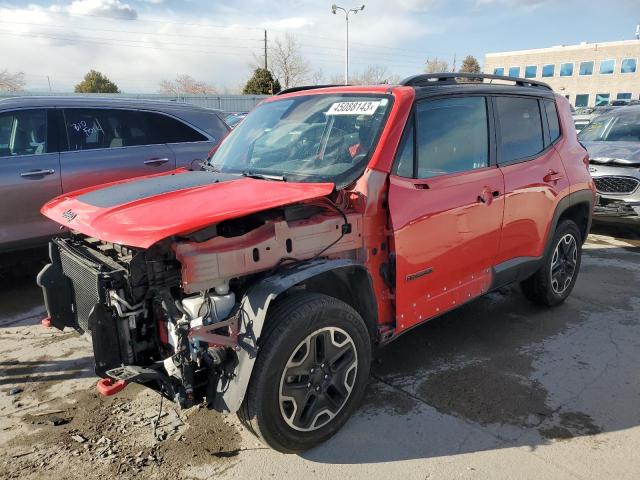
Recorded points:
(29, 175)
(105, 145)
(534, 176)
(446, 206)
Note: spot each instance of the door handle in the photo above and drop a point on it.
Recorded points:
(552, 176)
(487, 195)
(156, 161)
(37, 173)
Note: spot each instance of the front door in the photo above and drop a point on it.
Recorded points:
(109, 144)
(446, 203)
(29, 177)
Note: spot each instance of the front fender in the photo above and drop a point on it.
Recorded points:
(253, 310)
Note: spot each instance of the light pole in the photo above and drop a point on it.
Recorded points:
(334, 10)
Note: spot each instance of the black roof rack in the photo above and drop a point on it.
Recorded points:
(307, 87)
(432, 79)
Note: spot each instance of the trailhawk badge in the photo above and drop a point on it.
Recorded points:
(69, 215)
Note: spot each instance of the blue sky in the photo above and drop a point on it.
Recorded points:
(138, 43)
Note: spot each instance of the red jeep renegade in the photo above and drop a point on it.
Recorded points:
(330, 221)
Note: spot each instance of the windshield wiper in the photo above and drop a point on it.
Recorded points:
(264, 176)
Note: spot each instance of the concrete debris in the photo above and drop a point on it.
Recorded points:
(79, 439)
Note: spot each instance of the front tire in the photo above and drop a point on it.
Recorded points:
(554, 282)
(310, 374)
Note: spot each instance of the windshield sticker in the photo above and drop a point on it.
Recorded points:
(353, 108)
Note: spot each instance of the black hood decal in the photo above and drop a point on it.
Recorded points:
(148, 187)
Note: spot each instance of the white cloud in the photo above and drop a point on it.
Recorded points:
(291, 23)
(104, 8)
(416, 5)
(65, 40)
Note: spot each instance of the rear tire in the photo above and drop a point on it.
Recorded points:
(553, 283)
(310, 374)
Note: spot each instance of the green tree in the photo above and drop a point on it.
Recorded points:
(470, 65)
(261, 83)
(96, 82)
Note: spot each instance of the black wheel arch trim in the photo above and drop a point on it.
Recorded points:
(254, 307)
(520, 268)
(579, 197)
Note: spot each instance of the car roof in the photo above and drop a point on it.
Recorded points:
(428, 85)
(89, 101)
(481, 89)
(614, 112)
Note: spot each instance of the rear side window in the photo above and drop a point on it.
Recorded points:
(23, 132)
(552, 119)
(89, 129)
(520, 128)
(170, 130)
(452, 136)
(210, 123)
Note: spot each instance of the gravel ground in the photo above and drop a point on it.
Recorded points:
(496, 389)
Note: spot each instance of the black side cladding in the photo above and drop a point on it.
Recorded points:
(134, 190)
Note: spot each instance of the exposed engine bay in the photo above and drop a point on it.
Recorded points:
(170, 317)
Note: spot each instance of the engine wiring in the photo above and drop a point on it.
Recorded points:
(346, 228)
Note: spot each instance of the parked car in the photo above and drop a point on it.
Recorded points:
(54, 145)
(619, 103)
(233, 119)
(329, 222)
(584, 115)
(613, 142)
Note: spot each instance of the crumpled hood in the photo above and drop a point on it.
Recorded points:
(140, 212)
(614, 153)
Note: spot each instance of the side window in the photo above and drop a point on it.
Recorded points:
(169, 130)
(89, 128)
(210, 123)
(452, 136)
(552, 120)
(23, 132)
(86, 129)
(520, 128)
(405, 156)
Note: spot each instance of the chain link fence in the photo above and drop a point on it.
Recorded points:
(227, 103)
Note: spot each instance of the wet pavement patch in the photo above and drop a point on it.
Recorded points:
(572, 424)
(383, 399)
(485, 395)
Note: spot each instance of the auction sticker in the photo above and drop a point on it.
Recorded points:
(353, 108)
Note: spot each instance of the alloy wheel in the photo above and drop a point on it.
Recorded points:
(318, 379)
(563, 263)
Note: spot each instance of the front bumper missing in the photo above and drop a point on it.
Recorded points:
(616, 208)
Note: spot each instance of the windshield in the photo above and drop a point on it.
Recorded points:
(312, 138)
(621, 127)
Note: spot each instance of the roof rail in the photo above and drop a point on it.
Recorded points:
(307, 87)
(432, 79)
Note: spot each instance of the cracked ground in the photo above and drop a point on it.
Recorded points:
(497, 389)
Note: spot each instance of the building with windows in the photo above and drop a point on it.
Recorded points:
(587, 74)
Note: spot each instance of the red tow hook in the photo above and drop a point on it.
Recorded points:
(46, 322)
(106, 386)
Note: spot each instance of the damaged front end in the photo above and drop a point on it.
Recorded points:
(178, 317)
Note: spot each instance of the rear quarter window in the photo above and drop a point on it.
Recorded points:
(552, 120)
(520, 128)
(170, 130)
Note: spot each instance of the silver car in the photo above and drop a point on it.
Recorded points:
(613, 142)
(53, 145)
